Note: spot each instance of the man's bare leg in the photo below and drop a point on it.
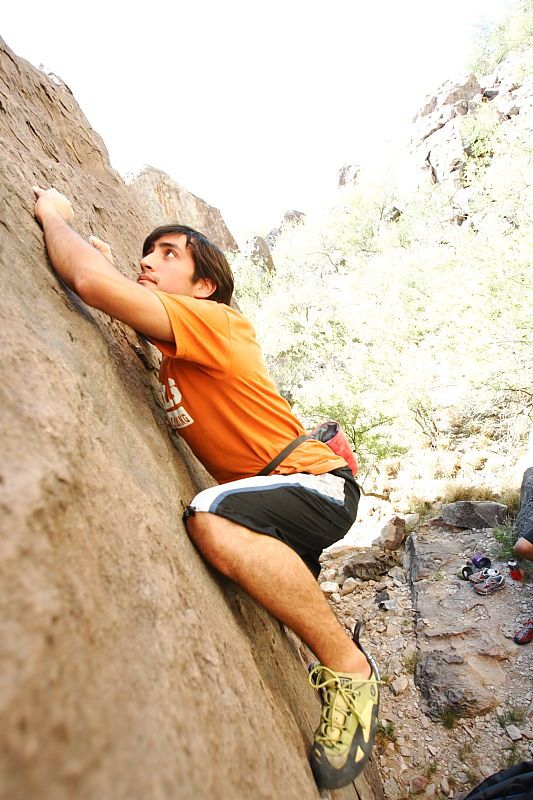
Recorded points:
(524, 548)
(278, 579)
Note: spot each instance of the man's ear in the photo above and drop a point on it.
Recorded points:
(204, 288)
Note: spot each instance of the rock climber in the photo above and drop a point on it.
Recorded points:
(265, 533)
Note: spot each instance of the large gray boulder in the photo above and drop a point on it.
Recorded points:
(474, 514)
(524, 520)
(449, 685)
(463, 650)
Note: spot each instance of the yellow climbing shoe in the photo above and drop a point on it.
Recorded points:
(345, 737)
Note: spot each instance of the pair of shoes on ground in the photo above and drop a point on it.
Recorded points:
(345, 737)
(487, 581)
(524, 634)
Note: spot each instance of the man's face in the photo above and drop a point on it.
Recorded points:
(169, 267)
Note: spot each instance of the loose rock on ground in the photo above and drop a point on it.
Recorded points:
(435, 614)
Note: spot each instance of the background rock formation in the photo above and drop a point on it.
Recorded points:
(165, 201)
(128, 669)
(437, 146)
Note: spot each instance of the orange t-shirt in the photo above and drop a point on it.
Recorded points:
(219, 396)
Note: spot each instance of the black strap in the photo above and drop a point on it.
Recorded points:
(281, 456)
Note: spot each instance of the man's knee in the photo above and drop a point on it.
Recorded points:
(199, 526)
(524, 549)
(206, 531)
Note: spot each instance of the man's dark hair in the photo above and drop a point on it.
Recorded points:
(209, 261)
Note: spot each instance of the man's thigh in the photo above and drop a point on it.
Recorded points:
(306, 512)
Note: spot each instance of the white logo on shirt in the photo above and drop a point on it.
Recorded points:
(178, 417)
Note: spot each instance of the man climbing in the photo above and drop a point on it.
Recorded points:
(265, 533)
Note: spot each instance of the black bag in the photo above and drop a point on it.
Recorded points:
(515, 783)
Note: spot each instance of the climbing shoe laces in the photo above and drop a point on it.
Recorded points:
(341, 696)
(345, 736)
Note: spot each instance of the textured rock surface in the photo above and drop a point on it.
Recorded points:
(348, 175)
(290, 218)
(524, 520)
(474, 514)
(392, 534)
(258, 251)
(165, 201)
(367, 563)
(462, 647)
(128, 668)
(437, 145)
(437, 151)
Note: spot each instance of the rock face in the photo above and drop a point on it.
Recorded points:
(437, 148)
(524, 520)
(165, 201)
(348, 175)
(437, 144)
(258, 251)
(474, 514)
(290, 218)
(128, 668)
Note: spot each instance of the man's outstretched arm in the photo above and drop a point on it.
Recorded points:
(92, 276)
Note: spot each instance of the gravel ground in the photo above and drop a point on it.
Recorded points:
(417, 755)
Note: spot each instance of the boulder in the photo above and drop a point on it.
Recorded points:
(348, 175)
(462, 648)
(447, 686)
(368, 563)
(392, 790)
(459, 91)
(164, 201)
(290, 219)
(446, 154)
(506, 104)
(474, 514)
(513, 733)
(114, 633)
(524, 520)
(392, 534)
(436, 149)
(258, 251)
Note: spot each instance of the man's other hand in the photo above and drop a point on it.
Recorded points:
(50, 201)
(102, 247)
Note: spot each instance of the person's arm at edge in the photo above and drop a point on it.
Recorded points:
(90, 275)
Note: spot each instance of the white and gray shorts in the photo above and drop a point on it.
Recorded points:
(306, 512)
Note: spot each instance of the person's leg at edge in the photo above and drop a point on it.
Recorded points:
(278, 579)
(524, 548)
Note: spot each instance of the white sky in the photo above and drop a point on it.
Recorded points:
(252, 106)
